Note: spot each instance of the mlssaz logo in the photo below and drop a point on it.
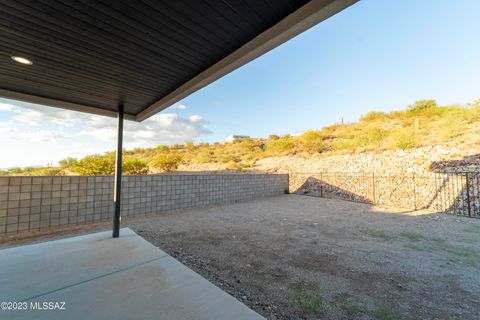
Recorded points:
(47, 305)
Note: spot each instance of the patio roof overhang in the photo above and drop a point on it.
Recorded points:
(145, 55)
(132, 59)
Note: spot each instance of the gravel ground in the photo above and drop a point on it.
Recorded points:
(300, 257)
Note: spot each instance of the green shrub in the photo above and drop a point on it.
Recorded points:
(224, 157)
(372, 116)
(162, 149)
(95, 165)
(283, 145)
(385, 313)
(31, 171)
(422, 105)
(472, 114)
(273, 137)
(451, 126)
(405, 139)
(232, 165)
(15, 170)
(308, 301)
(203, 157)
(367, 137)
(377, 233)
(167, 162)
(190, 146)
(67, 162)
(374, 134)
(311, 141)
(46, 171)
(343, 144)
(134, 166)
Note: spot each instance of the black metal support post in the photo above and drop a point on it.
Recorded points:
(117, 189)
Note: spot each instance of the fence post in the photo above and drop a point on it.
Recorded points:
(437, 191)
(414, 192)
(288, 183)
(373, 187)
(468, 194)
(321, 185)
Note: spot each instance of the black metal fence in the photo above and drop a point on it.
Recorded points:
(454, 193)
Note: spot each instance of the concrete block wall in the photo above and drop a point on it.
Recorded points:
(42, 203)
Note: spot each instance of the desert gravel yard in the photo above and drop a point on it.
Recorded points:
(301, 257)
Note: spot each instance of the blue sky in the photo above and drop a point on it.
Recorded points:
(376, 55)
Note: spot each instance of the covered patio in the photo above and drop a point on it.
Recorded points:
(93, 277)
(128, 60)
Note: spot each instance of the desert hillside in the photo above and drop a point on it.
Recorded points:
(423, 137)
(443, 158)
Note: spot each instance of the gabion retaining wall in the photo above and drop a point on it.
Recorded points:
(455, 193)
(42, 203)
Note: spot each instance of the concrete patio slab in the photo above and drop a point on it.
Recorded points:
(98, 277)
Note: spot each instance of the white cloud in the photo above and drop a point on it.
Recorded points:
(82, 149)
(7, 107)
(181, 107)
(35, 115)
(196, 118)
(85, 132)
(29, 117)
(8, 131)
(167, 128)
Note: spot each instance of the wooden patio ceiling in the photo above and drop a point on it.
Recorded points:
(146, 55)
